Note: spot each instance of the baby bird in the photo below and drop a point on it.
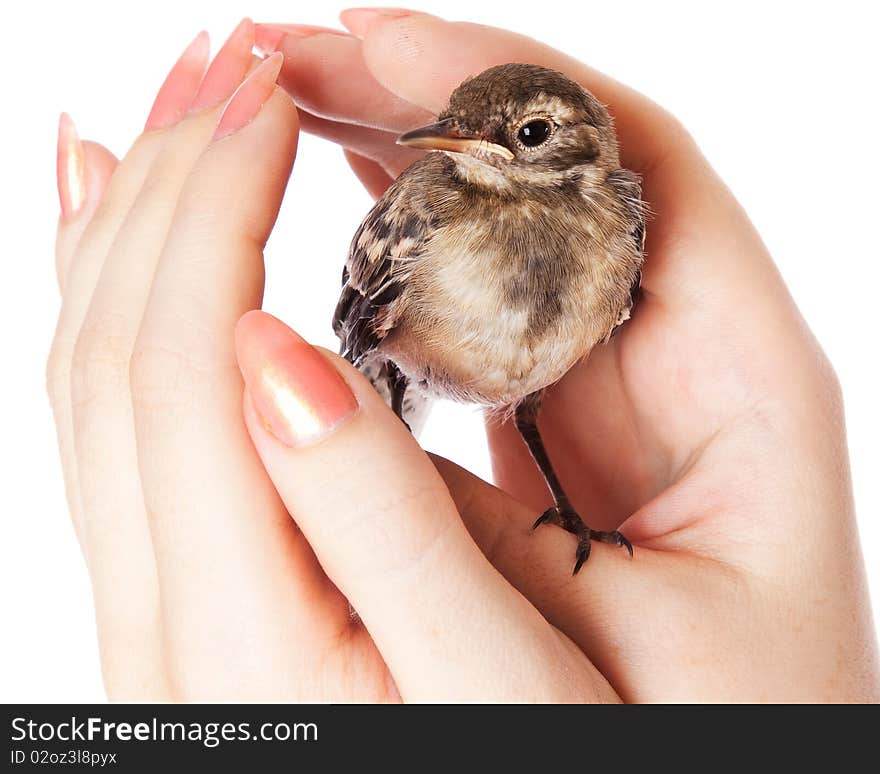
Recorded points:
(498, 261)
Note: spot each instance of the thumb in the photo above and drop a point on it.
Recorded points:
(422, 58)
(386, 531)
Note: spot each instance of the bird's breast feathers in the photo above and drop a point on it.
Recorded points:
(496, 309)
(493, 297)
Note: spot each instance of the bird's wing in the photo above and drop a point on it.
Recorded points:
(380, 257)
(628, 187)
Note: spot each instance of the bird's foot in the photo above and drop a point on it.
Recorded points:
(568, 519)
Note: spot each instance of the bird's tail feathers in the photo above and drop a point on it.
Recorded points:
(416, 405)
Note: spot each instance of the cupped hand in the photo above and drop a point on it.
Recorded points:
(710, 429)
(204, 586)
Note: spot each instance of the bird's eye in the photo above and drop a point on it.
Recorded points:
(534, 133)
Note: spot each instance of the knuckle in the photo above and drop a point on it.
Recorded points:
(161, 376)
(100, 359)
(397, 518)
(180, 357)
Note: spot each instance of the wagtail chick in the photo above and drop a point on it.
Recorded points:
(494, 264)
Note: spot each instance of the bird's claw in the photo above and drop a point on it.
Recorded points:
(582, 553)
(543, 517)
(570, 521)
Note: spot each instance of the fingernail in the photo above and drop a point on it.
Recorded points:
(180, 87)
(249, 97)
(70, 164)
(297, 393)
(358, 20)
(268, 36)
(228, 68)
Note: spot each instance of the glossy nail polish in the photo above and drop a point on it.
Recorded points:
(294, 389)
(358, 20)
(268, 36)
(249, 97)
(228, 68)
(181, 85)
(70, 165)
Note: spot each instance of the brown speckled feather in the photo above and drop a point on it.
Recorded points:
(485, 280)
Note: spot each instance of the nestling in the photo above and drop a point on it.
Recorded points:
(498, 261)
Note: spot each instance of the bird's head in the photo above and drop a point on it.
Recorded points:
(520, 123)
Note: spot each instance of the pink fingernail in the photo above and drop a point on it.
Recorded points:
(250, 97)
(70, 163)
(297, 393)
(268, 36)
(228, 68)
(180, 87)
(358, 20)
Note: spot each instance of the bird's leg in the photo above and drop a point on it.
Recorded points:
(562, 514)
(397, 384)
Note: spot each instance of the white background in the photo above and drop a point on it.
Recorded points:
(782, 98)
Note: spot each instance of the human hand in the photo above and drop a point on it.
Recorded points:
(710, 430)
(204, 586)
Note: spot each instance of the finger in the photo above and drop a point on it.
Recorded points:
(84, 170)
(385, 530)
(120, 294)
(78, 271)
(324, 72)
(80, 268)
(652, 624)
(78, 275)
(605, 608)
(373, 176)
(81, 255)
(419, 58)
(129, 234)
(98, 425)
(171, 101)
(229, 558)
(228, 70)
(374, 144)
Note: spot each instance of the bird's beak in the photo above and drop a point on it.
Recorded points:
(443, 135)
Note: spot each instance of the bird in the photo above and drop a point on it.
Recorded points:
(498, 260)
